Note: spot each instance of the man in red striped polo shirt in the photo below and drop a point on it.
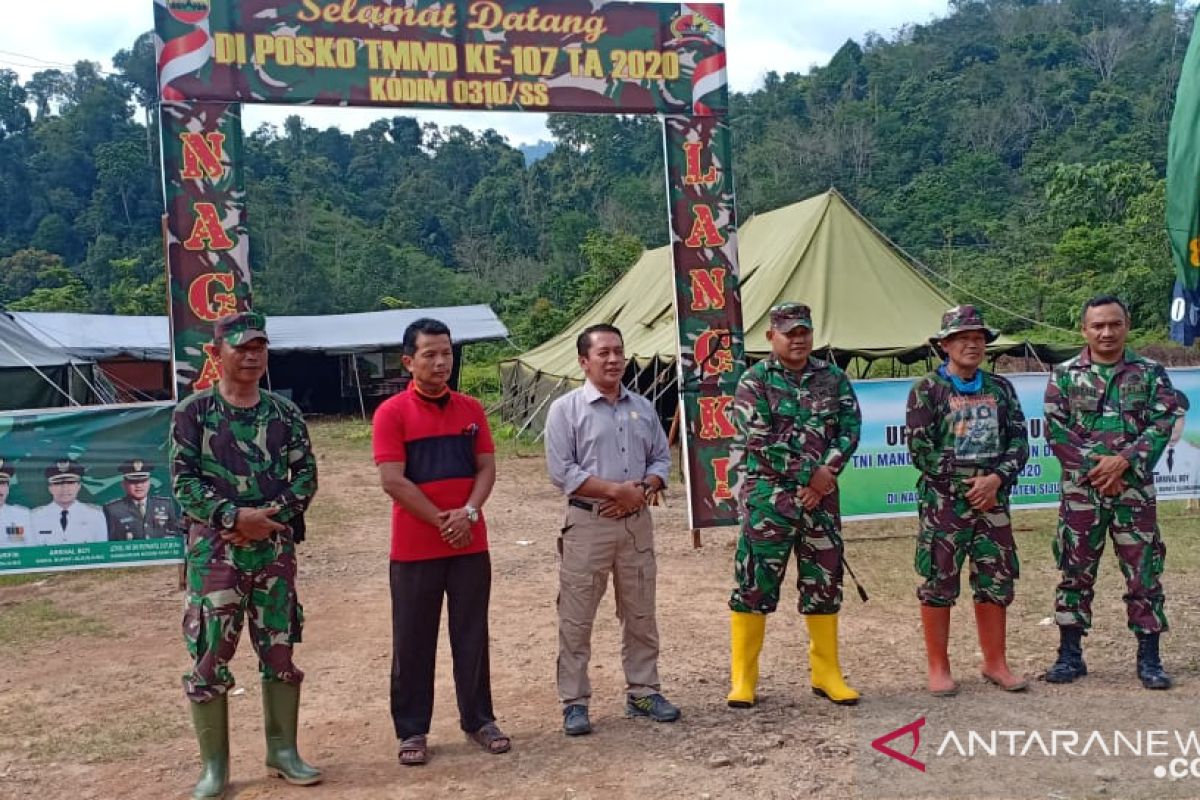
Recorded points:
(436, 461)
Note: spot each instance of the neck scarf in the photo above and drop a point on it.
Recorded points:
(438, 399)
(973, 386)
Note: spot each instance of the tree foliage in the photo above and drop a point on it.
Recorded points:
(1016, 147)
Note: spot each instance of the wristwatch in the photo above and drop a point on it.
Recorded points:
(228, 520)
(472, 513)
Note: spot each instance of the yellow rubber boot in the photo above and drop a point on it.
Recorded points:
(745, 643)
(827, 680)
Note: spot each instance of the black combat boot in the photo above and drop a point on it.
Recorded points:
(1149, 666)
(1069, 665)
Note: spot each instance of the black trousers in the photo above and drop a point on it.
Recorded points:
(417, 590)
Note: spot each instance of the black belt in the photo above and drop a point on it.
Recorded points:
(594, 506)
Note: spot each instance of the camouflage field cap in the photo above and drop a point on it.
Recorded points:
(240, 328)
(64, 471)
(789, 316)
(135, 470)
(963, 318)
(7, 468)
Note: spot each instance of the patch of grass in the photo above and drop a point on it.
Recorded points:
(122, 738)
(508, 444)
(108, 738)
(340, 434)
(22, 579)
(39, 619)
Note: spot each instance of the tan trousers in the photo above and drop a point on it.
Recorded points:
(592, 547)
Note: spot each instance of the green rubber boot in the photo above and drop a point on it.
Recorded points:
(281, 714)
(211, 721)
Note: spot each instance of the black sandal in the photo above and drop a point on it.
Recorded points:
(491, 739)
(414, 751)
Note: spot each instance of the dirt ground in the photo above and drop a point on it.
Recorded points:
(91, 704)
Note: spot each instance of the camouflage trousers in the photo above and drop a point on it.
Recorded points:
(1132, 519)
(950, 532)
(774, 525)
(227, 584)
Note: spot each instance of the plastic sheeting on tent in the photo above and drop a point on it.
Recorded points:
(373, 330)
(106, 336)
(35, 376)
(99, 336)
(309, 352)
(868, 302)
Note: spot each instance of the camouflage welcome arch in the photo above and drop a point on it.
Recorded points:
(587, 56)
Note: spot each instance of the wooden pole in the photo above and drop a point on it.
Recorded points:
(673, 435)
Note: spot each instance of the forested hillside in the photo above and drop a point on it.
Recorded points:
(1015, 147)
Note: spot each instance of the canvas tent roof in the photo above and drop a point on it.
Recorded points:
(868, 301)
(104, 336)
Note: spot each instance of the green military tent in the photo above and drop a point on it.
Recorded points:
(868, 300)
(33, 375)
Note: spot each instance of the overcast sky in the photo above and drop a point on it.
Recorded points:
(762, 35)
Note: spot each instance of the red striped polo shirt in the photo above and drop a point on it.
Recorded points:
(437, 443)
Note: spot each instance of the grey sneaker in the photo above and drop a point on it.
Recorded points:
(654, 706)
(575, 720)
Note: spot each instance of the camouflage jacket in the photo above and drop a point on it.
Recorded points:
(1130, 415)
(789, 423)
(223, 456)
(950, 432)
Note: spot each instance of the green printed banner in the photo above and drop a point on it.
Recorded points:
(87, 487)
(1183, 171)
(880, 482)
(515, 55)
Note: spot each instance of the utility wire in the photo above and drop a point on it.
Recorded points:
(62, 64)
(962, 290)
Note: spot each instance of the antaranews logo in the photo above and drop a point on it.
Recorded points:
(1173, 754)
(914, 728)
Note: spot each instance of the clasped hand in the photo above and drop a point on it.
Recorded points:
(1108, 476)
(455, 527)
(823, 482)
(628, 498)
(983, 491)
(253, 525)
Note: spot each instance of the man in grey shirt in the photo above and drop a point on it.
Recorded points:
(606, 451)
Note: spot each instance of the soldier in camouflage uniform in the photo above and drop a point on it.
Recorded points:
(244, 473)
(797, 422)
(967, 438)
(1109, 415)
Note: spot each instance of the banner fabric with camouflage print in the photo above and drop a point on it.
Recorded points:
(708, 311)
(787, 425)
(208, 248)
(481, 55)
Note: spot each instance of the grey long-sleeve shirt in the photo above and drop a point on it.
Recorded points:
(587, 436)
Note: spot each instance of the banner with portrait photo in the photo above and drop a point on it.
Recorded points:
(87, 487)
(880, 482)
